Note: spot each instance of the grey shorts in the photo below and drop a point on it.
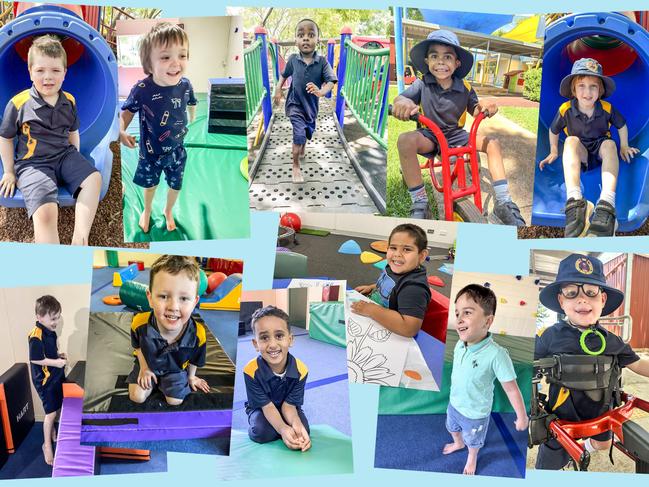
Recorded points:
(474, 431)
(175, 385)
(39, 181)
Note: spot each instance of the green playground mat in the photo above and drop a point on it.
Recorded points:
(213, 202)
(313, 231)
(330, 454)
(394, 400)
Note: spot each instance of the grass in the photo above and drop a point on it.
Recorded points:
(526, 117)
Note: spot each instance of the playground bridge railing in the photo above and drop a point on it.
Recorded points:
(255, 90)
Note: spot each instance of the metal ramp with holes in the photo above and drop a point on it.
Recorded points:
(332, 180)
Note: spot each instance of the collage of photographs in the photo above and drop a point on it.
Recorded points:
(379, 143)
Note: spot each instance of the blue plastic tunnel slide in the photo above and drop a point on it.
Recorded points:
(630, 98)
(91, 78)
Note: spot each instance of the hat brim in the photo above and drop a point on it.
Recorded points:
(549, 296)
(566, 92)
(420, 51)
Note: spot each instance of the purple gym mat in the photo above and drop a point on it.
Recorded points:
(71, 458)
(123, 427)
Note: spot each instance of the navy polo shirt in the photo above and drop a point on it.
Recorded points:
(163, 113)
(318, 72)
(264, 387)
(563, 338)
(588, 129)
(42, 345)
(43, 130)
(408, 294)
(163, 357)
(446, 107)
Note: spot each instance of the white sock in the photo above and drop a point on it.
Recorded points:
(575, 193)
(588, 445)
(608, 196)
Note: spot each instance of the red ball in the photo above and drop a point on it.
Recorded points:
(291, 220)
(214, 280)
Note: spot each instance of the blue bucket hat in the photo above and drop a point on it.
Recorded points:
(420, 51)
(581, 269)
(586, 67)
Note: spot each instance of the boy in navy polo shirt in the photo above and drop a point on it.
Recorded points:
(312, 78)
(47, 367)
(582, 294)
(477, 361)
(586, 119)
(169, 343)
(275, 383)
(163, 99)
(43, 126)
(446, 98)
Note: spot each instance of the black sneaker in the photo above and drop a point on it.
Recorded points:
(509, 214)
(603, 223)
(421, 210)
(577, 217)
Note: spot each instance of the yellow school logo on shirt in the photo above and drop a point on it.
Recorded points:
(31, 143)
(584, 266)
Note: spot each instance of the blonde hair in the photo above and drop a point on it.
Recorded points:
(162, 34)
(174, 265)
(579, 77)
(47, 45)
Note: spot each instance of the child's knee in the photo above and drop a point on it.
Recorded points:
(608, 150)
(493, 146)
(46, 215)
(92, 181)
(173, 401)
(137, 394)
(262, 433)
(571, 143)
(407, 142)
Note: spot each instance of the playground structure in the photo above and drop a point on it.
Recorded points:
(334, 175)
(622, 48)
(91, 77)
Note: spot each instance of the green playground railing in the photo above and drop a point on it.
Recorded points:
(255, 90)
(365, 88)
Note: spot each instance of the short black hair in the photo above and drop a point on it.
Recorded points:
(46, 305)
(269, 311)
(416, 232)
(482, 295)
(317, 27)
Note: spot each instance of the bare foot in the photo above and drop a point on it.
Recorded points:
(171, 223)
(48, 453)
(297, 175)
(451, 447)
(145, 220)
(469, 468)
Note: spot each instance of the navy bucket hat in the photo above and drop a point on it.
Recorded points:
(586, 67)
(419, 53)
(581, 269)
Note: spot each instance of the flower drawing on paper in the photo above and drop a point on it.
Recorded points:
(364, 366)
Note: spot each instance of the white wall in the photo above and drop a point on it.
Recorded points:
(17, 319)
(512, 318)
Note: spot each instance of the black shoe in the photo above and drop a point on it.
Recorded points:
(603, 223)
(421, 210)
(577, 217)
(509, 214)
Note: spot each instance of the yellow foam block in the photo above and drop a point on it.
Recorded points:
(370, 257)
(231, 302)
(503, 301)
(117, 279)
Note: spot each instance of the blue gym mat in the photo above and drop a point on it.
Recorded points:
(27, 462)
(415, 442)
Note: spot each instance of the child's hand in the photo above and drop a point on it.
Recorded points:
(365, 290)
(63, 356)
(198, 384)
(59, 363)
(404, 108)
(8, 184)
(303, 437)
(553, 156)
(489, 110)
(314, 90)
(363, 308)
(290, 438)
(126, 139)
(521, 423)
(146, 378)
(627, 153)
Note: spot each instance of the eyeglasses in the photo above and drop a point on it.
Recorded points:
(571, 291)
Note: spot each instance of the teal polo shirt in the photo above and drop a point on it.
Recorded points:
(472, 381)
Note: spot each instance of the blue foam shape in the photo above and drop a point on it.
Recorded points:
(232, 281)
(350, 247)
(129, 273)
(380, 264)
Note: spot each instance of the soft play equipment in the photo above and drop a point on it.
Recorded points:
(436, 317)
(381, 264)
(4, 454)
(16, 406)
(127, 274)
(91, 78)
(327, 322)
(370, 258)
(350, 247)
(226, 266)
(628, 63)
(290, 265)
(227, 106)
(435, 281)
(380, 246)
(291, 220)
(110, 417)
(214, 281)
(133, 295)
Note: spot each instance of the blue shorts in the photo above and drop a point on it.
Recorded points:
(51, 396)
(302, 128)
(474, 431)
(175, 385)
(592, 147)
(150, 166)
(455, 138)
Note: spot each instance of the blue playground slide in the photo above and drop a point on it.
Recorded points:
(91, 79)
(630, 99)
(474, 22)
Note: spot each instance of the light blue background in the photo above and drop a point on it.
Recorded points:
(480, 248)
